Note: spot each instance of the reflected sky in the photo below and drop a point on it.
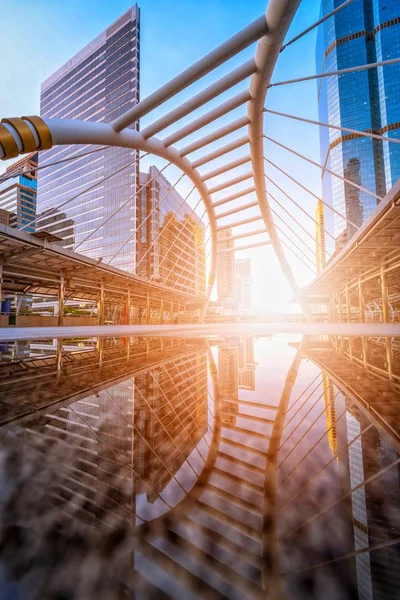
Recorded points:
(227, 468)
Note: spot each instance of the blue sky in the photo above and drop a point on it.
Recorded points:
(37, 38)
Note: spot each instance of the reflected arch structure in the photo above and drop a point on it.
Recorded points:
(32, 133)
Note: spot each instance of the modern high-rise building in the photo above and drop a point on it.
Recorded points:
(98, 84)
(226, 280)
(18, 194)
(170, 236)
(243, 283)
(365, 31)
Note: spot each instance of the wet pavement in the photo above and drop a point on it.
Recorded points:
(227, 466)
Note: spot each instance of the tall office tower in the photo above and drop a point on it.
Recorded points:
(243, 282)
(366, 31)
(320, 249)
(170, 243)
(97, 84)
(226, 283)
(18, 194)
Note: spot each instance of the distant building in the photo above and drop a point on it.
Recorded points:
(4, 217)
(243, 283)
(226, 279)
(366, 31)
(18, 194)
(170, 243)
(98, 84)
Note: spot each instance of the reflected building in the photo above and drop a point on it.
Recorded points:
(363, 452)
(366, 31)
(170, 243)
(236, 371)
(98, 438)
(170, 419)
(98, 84)
(130, 438)
(18, 195)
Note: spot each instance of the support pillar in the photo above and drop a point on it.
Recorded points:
(100, 305)
(147, 309)
(361, 304)
(162, 310)
(59, 356)
(128, 308)
(179, 313)
(348, 307)
(61, 295)
(100, 347)
(386, 319)
(331, 317)
(385, 299)
(171, 312)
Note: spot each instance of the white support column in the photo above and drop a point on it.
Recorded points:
(61, 296)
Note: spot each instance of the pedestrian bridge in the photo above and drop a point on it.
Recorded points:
(226, 166)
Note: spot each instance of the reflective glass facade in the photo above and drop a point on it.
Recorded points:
(18, 194)
(98, 84)
(170, 236)
(366, 31)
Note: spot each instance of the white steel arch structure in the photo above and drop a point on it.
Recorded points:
(32, 133)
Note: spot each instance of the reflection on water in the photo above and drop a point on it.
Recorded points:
(234, 467)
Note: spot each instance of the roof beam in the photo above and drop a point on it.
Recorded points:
(221, 151)
(213, 137)
(237, 209)
(234, 181)
(208, 63)
(211, 92)
(244, 222)
(225, 168)
(240, 194)
(247, 234)
(247, 247)
(209, 117)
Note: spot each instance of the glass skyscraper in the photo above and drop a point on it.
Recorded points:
(97, 84)
(366, 31)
